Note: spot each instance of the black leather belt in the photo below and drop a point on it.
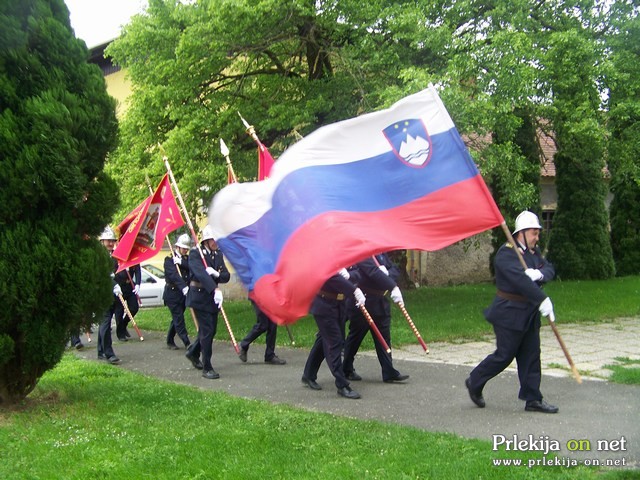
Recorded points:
(331, 295)
(512, 296)
(196, 284)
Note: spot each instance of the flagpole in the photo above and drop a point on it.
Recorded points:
(128, 312)
(193, 313)
(408, 318)
(225, 153)
(251, 131)
(165, 159)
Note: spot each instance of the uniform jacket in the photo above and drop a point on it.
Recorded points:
(123, 279)
(329, 293)
(511, 279)
(175, 281)
(202, 285)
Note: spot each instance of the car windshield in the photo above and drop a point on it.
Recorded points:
(158, 272)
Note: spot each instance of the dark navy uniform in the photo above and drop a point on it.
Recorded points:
(375, 284)
(200, 297)
(122, 319)
(177, 277)
(515, 318)
(329, 310)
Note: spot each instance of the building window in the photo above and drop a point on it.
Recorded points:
(547, 220)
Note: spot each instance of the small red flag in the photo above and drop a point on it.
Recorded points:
(144, 230)
(265, 162)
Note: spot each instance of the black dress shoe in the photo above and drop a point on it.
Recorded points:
(399, 378)
(540, 406)
(210, 374)
(195, 361)
(311, 383)
(242, 355)
(102, 357)
(127, 334)
(275, 360)
(353, 376)
(78, 346)
(476, 397)
(123, 339)
(348, 392)
(172, 346)
(113, 360)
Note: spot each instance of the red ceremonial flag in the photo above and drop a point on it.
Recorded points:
(265, 162)
(144, 230)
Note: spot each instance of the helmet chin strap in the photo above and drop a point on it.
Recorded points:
(524, 239)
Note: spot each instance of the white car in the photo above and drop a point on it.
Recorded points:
(152, 286)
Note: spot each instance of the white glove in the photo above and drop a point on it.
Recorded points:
(217, 297)
(396, 296)
(177, 259)
(534, 274)
(185, 290)
(117, 291)
(546, 308)
(344, 273)
(213, 272)
(360, 298)
(384, 269)
(136, 289)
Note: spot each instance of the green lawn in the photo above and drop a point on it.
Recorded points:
(89, 420)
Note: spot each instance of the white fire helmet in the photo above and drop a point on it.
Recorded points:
(108, 234)
(207, 233)
(526, 220)
(184, 241)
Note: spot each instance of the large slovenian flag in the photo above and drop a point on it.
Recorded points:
(394, 179)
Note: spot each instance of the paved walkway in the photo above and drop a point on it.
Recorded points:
(434, 398)
(592, 347)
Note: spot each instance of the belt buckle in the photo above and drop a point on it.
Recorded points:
(340, 296)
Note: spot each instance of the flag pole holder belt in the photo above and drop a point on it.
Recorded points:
(512, 296)
(331, 295)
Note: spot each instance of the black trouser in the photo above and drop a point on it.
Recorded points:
(104, 333)
(208, 324)
(329, 341)
(358, 328)
(263, 324)
(525, 348)
(177, 325)
(122, 319)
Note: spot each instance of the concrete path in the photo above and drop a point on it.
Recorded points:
(596, 414)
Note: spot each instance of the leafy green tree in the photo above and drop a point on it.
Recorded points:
(290, 67)
(57, 125)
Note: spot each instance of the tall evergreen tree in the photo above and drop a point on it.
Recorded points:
(579, 246)
(57, 125)
(624, 144)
